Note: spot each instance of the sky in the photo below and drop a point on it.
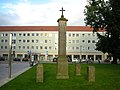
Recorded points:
(41, 12)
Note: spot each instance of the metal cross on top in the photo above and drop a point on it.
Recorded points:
(62, 11)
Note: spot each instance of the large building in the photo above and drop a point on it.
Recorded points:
(42, 42)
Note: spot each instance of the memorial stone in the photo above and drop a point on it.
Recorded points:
(78, 69)
(39, 74)
(91, 73)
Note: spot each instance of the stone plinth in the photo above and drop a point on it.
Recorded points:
(62, 68)
(78, 68)
(91, 73)
(39, 74)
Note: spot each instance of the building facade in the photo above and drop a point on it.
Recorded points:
(42, 42)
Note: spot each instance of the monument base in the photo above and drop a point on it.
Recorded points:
(62, 68)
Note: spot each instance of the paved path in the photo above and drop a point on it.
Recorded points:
(16, 69)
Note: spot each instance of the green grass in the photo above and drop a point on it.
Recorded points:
(107, 78)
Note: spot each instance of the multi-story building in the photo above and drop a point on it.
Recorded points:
(42, 42)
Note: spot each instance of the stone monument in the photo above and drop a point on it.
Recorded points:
(62, 63)
(39, 77)
(78, 69)
(91, 73)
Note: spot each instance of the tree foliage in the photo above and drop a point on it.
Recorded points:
(105, 15)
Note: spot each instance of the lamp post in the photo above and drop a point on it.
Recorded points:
(10, 50)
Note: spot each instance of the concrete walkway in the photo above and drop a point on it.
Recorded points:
(16, 69)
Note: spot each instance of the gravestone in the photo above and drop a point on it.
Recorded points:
(91, 73)
(62, 63)
(78, 69)
(39, 74)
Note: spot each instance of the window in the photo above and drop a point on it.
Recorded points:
(20, 34)
(36, 47)
(1, 47)
(72, 48)
(37, 34)
(50, 47)
(50, 41)
(41, 47)
(89, 35)
(14, 47)
(19, 47)
(88, 48)
(88, 41)
(24, 41)
(2, 40)
(14, 34)
(73, 41)
(45, 41)
(77, 35)
(93, 41)
(69, 41)
(41, 34)
(32, 34)
(28, 34)
(6, 34)
(77, 41)
(19, 41)
(24, 34)
(28, 40)
(27, 47)
(69, 34)
(36, 41)
(6, 40)
(32, 41)
(73, 35)
(2, 35)
(83, 35)
(45, 47)
(77, 48)
(32, 47)
(23, 47)
(46, 34)
(13, 41)
(83, 41)
(5, 47)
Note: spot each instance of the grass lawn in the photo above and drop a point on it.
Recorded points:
(107, 78)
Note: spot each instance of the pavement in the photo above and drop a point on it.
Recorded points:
(17, 68)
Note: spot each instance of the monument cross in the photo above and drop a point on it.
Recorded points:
(62, 63)
(62, 11)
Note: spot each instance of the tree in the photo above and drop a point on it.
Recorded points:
(105, 15)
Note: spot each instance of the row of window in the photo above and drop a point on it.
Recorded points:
(83, 35)
(48, 34)
(47, 47)
(83, 41)
(27, 34)
(45, 41)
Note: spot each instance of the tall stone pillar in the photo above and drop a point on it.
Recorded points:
(62, 63)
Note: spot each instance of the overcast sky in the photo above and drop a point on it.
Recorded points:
(41, 12)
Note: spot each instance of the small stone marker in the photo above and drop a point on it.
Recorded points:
(39, 73)
(91, 73)
(78, 68)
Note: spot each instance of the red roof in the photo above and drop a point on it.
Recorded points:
(43, 28)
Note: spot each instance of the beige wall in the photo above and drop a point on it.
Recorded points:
(78, 43)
